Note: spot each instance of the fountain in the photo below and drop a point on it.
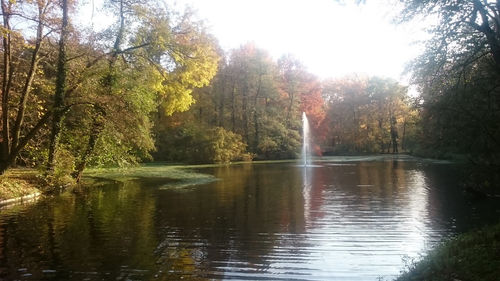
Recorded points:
(306, 151)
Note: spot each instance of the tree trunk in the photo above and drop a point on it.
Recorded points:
(222, 97)
(290, 107)
(244, 108)
(6, 82)
(29, 79)
(394, 135)
(490, 34)
(233, 107)
(256, 115)
(59, 91)
(403, 141)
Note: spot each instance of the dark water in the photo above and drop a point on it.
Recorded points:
(340, 221)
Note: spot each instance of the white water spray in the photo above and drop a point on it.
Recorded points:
(306, 151)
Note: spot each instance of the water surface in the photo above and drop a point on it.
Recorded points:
(339, 220)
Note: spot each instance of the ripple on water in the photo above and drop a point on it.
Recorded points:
(340, 221)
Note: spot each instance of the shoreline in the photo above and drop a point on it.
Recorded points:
(474, 255)
(19, 185)
(5, 203)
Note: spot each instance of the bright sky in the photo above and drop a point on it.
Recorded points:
(329, 38)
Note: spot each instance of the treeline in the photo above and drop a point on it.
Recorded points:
(156, 86)
(254, 103)
(254, 106)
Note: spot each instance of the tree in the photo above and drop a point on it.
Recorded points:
(466, 31)
(366, 114)
(458, 76)
(250, 97)
(60, 88)
(22, 56)
(153, 66)
(107, 85)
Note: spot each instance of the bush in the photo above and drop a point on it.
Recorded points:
(227, 146)
(196, 145)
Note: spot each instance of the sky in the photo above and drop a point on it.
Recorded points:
(331, 39)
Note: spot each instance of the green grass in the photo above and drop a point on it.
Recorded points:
(179, 175)
(467, 257)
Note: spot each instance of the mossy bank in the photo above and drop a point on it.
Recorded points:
(467, 257)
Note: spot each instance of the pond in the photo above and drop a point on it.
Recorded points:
(342, 219)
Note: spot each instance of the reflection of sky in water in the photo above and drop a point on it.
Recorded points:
(352, 220)
(361, 231)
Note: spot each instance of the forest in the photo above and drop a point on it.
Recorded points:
(156, 86)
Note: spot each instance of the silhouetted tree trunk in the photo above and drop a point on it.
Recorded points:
(222, 98)
(403, 141)
(233, 107)
(244, 108)
(256, 114)
(59, 92)
(6, 84)
(394, 135)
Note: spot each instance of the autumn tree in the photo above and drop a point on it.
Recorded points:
(253, 96)
(153, 66)
(24, 51)
(366, 115)
(100, 89)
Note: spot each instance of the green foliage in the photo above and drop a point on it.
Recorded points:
(195, 144)
(278, 141)
(458, 78)
(227, 146)
(252, 96)
(64, 166)
(150, 60)
(471, 256)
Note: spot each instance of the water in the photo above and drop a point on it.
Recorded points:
(342, 220)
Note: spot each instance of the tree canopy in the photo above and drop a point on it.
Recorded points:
(107, 84)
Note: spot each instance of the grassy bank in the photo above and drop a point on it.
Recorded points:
(177, 175)
(468, 257)
(18, 182)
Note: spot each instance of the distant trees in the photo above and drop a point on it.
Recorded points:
(367, 115)
(262, 100)
(258, 99)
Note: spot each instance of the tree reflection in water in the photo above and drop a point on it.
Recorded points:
(351, 220)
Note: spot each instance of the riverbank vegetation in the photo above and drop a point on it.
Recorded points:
(154, 85)
(17, 183)
(470, 256)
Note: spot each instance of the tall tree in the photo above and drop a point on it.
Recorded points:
(22, 55)
(458, 76)
(60, 87)
(366, 114)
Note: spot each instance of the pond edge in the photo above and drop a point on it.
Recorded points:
(21, 199)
